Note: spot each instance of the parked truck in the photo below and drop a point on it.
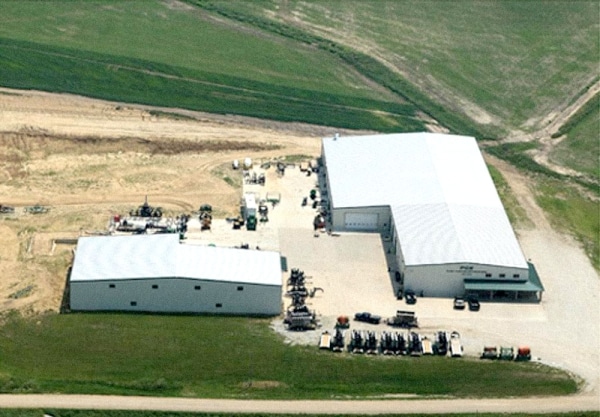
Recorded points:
(489, 352)
(406, 319)
(249, 211)
(523, 354)
(507, 353)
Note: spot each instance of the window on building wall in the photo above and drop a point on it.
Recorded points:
(240, 288)
(502, 275)
(218, 305)
(133, 303)
(111, 285)
(488, 275)
(155, 287)
(516, 275)
(197, 287)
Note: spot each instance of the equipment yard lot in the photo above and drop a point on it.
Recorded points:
(563, 330)
(353, 272)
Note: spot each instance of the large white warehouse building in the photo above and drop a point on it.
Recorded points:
(432, 197)
(157, 273)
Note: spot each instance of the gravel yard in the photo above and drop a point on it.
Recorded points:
(353, 272)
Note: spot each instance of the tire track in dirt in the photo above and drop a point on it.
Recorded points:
(522, 191)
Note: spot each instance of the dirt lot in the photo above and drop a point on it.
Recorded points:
(89, 159)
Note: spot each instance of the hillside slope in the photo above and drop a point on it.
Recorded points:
(504, 63)
(176, 55)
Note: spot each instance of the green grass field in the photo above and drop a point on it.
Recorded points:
(515, 60)
(225, 357)
(480, 68)
(147, 52)
(153, 32)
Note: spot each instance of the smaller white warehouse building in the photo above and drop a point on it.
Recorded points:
(431, 196)
(158, 273)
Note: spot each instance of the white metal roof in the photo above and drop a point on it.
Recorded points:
(163, 256)
(445, 206)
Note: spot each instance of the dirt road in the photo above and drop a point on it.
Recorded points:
(412, 406)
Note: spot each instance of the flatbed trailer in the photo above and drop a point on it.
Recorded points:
(325, 340)
(456, 348)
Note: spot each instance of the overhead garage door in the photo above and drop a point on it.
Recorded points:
(361, 221)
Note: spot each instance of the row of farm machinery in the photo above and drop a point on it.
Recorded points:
(391, 343)
(410, 343)
(506, 353)
(147, 219)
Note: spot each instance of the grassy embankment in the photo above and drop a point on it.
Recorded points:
(229, 357)
(516, 213)
(146, 52)
(512, 60)
(571, 202)
(569, 208)
(580, 148)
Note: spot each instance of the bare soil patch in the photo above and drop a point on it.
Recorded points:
(88, 159)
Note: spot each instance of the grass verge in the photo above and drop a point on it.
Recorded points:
(516, 213)
(515, 153)
(232, 357)
(571, 212)
(132, 413)
(590, 109)
(569, 209)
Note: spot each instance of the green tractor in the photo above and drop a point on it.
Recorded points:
(251, 223)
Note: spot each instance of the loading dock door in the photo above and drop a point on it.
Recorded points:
(361, 221)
